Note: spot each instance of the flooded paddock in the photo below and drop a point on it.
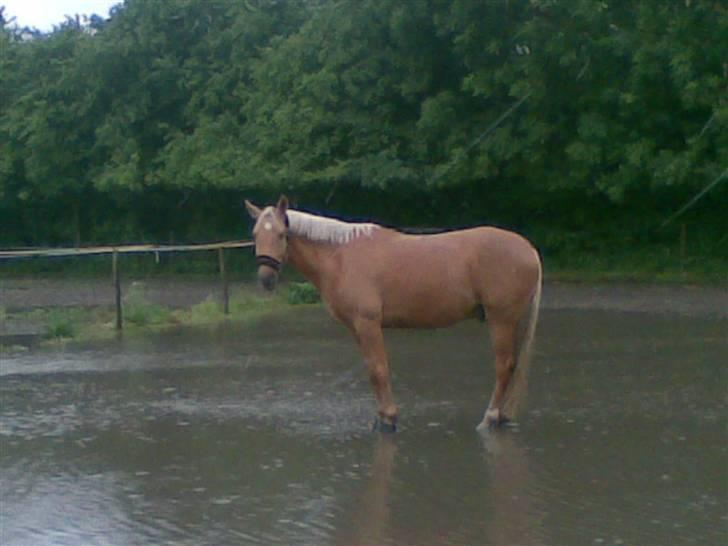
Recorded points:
(260, 435)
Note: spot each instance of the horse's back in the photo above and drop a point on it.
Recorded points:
(433, 280)
(486, 250)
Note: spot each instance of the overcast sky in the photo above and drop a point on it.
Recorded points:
(43, 14)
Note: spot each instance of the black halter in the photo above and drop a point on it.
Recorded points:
(270, 261)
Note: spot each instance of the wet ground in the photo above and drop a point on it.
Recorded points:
(29, 293)
(260, 435)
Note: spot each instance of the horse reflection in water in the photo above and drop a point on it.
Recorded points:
(368, 523)
(371, 277)
(514, 518)
(508, 518)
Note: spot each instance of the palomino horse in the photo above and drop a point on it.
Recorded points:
(371, 277)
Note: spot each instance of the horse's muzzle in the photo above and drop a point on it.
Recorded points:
(268, 278)
(268, 269)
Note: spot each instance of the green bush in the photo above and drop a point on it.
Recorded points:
(60, 325)
(300, 293)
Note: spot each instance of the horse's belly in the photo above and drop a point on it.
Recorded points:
(434, 309)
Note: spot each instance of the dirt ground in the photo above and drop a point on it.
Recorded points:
(26, 294)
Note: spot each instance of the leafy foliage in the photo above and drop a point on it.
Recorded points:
(156, 123)
(300, 293)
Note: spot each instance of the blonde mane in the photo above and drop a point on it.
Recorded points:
(327, 230)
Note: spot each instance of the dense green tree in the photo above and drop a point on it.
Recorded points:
(48, 127)
(584, 123)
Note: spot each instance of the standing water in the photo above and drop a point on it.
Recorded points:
(260, 435)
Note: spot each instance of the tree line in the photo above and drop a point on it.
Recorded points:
(581, 123)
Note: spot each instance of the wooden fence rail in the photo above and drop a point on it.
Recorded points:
(132, 249)
(120, 249)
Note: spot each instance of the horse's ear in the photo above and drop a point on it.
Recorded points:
(252, 209)
(282, 205)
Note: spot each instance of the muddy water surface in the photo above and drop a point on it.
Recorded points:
(260, 435)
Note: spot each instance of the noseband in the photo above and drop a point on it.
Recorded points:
(270, 261)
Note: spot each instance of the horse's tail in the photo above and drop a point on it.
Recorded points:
(518, 385)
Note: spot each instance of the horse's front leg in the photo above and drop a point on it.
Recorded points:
(369, 336)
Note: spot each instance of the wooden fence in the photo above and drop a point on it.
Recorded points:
(114, 251)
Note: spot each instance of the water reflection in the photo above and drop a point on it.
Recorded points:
(514, 516)
(496, 472)
(367, 523)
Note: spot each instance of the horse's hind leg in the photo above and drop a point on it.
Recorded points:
(369, 336)
(503, 336)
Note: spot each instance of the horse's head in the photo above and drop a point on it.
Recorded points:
(271, 244)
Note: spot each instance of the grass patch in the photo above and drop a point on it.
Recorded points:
(300, 293)
(244, 302)
(206, 312)
(658, 264)
(139, 311)
(61, 324)
(72, 323)
(12, 349)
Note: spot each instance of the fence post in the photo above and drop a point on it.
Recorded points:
(223, 277)
(117, 288)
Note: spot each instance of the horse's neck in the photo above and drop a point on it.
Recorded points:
(311, 259)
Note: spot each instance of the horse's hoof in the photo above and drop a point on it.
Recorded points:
(384, 427)
(502, 422)
(496, 422)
